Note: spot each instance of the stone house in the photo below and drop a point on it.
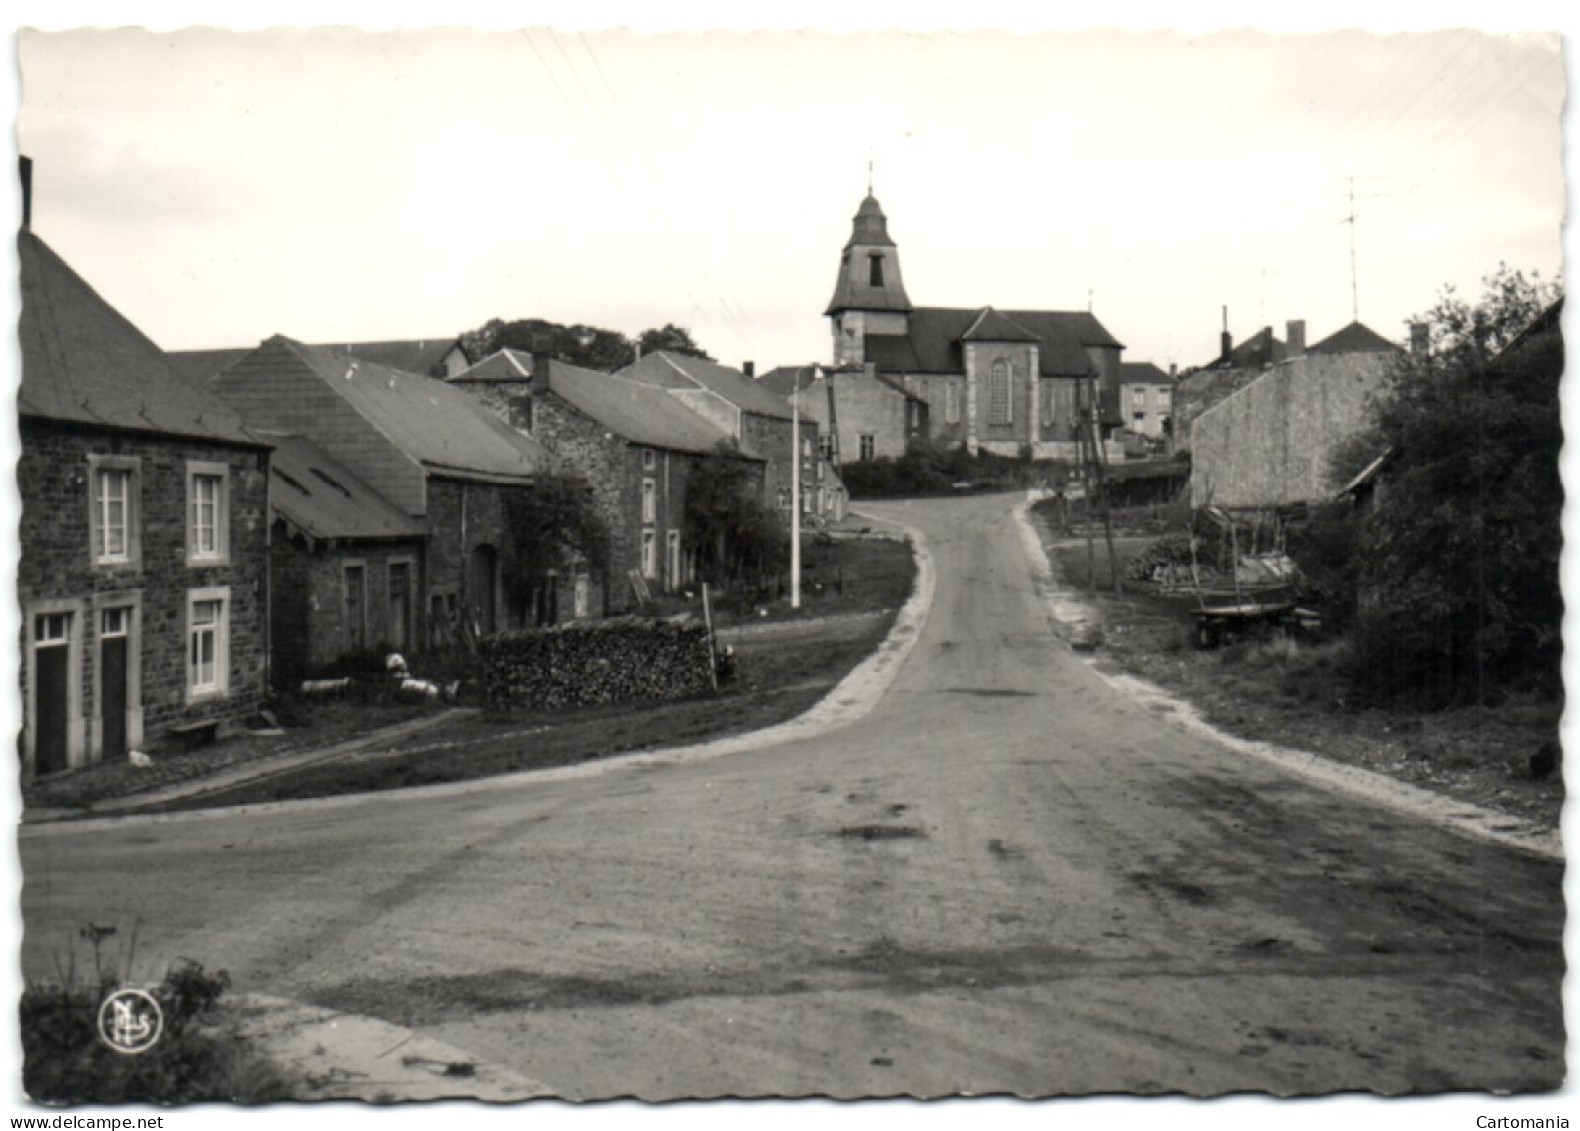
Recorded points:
(637, 446)
(143, 577)
(860, 413)
(345, 564)
(1146, 400)
(434, 454)
(759, 421)
(1001, 381)
(1270, 442)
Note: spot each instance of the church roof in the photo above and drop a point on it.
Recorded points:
(869, 227)
(991, 326)
(933, 343)
(1355, 338)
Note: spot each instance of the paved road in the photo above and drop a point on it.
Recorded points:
(1006, 878)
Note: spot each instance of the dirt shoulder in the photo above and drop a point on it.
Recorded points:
(1294, 695)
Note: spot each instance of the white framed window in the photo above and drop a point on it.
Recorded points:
(114, 519)
(672, 554)
(868, 445)
(999, 411)
(1138, 398)
(649, 501)
(208, 513)
(649, 554)
(784, 499)
(649, 459)
(208, 642)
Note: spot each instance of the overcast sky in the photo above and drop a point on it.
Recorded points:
(331, 185)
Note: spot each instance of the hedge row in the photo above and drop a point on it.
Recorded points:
(607, 661)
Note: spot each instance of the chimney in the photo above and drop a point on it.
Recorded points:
(540, 368)
(1174, 370)
(25, 168)
(749, 368)
(1420, 340)
(1295, 337)
(1225, 342)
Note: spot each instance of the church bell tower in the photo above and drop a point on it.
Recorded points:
(869, 296)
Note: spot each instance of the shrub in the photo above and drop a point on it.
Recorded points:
(64, 1060)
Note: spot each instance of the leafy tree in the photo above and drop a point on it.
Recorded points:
(591, 347)
(1458, 589)
(554, 526)
(737, 534)
(675, 339)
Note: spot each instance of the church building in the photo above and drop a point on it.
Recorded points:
(1003, 381)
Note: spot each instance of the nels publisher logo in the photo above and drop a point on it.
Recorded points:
(130, 1021)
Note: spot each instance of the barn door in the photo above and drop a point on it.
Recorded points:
(400, 605)
(52, 694)
(113, 640)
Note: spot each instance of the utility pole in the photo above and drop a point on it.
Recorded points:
(795, 496)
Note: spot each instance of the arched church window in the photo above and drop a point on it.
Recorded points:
(998, 393)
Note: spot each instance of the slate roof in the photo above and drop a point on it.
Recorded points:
(197, 366)
(932, 345)
(319, 497)
(442, 427)
(501, 365)
(1142, 373)
(1260, 349)
(83, 362)
(417, 355)
(637, 412)
(1355, 338)
(991, 326)
(785, 380)
(676, 371)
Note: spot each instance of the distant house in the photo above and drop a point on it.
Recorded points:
(860, 413)
(435, 455)
(1235, 367)
(1002, 381)
(143, 578)
(1146, 399)
(636, 445)
(346, 564)
(758, 420)
(1270, 442)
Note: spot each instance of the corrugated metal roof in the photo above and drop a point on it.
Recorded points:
(322, 499)
(1355, 338)
(641, 413)
(443, 427)
(82, 361)
(676, 371)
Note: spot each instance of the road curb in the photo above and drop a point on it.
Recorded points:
(1459, 816)
(849, 700)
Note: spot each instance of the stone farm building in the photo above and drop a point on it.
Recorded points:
(433, 454)
(1004, 381)
(753, 416)
(637, 446)
(143, 573)
(860, 413)
(1270, 442)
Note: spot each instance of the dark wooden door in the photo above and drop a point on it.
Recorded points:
(485, 562)
(51, 666)
(112, 682)
(400, 606)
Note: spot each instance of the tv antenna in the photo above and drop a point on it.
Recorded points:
(1355, 301)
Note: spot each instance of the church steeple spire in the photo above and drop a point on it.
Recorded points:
(869, 268)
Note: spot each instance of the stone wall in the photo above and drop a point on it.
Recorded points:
(57, 573)
(309, 612)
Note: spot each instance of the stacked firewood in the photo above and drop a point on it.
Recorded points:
(610, 661)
